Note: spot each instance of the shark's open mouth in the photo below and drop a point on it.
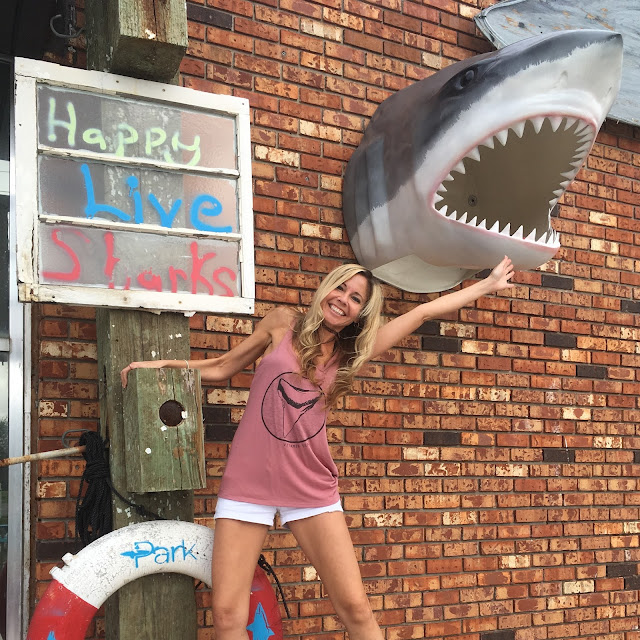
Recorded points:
(488, 189)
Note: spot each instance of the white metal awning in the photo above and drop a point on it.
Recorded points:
(512, 20)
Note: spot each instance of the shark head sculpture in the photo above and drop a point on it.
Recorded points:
(459, 169)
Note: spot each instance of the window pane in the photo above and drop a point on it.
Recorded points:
(131, 128)
(123, 194)
(131, 261)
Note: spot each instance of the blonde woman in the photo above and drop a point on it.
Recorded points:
(279, 460)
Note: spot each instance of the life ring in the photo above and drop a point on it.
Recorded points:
(265, 622)
(96, 572)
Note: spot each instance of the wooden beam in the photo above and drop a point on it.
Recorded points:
(160, 607)
(138, 38)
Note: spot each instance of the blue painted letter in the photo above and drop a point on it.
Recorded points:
(166, 219)
(210, 207)
(93, 207)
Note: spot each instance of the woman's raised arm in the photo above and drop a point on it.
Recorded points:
(402, 326)
(233, 361)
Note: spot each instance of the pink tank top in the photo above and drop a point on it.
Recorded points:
(280, 454)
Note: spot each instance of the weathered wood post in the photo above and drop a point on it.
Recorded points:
(162, 606)
(144, 39)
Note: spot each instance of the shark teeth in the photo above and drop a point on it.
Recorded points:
(537, 124)
(584, 148)
(555, 121)
(583, 131)
(488, 143)
(464, 201)
(502, 136)
(474, 154)
(548, 238)
(519, 128)
(459, 168)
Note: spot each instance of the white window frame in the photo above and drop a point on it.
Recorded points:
(28, 75)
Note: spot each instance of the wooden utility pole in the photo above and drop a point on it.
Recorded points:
(160, 607)
(144, 39)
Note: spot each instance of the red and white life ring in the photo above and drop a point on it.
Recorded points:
(88, 578)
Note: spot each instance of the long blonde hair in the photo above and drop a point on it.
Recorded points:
(354, 344)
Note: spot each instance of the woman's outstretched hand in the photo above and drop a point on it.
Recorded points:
(500, 276)
(148, 364)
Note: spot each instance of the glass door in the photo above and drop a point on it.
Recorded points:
(4, 338)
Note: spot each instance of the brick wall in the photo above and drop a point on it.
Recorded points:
(489, 464)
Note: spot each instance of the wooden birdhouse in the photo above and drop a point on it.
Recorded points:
(163, 429)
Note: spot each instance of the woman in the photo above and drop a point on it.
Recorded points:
(279, 460)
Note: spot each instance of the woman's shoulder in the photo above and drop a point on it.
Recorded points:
(281, 318)
(278, 322)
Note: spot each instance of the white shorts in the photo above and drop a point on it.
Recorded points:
(264, 514)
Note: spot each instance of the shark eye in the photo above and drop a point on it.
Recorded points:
(466, 78)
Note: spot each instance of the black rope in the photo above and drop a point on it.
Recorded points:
(263, 564)
(138, 508)
(93, 511)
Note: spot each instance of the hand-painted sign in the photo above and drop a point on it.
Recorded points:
(131, 193)
(160, 554)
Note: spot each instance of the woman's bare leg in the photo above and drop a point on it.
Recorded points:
(325, 540)
(236, 549)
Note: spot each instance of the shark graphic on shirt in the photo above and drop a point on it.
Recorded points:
(293, 408)
(299, 399)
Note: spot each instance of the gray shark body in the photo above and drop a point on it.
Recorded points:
(465, 166)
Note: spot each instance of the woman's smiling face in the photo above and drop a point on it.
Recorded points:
(343, 305)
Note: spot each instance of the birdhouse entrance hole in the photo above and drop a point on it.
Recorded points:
(171, 413)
